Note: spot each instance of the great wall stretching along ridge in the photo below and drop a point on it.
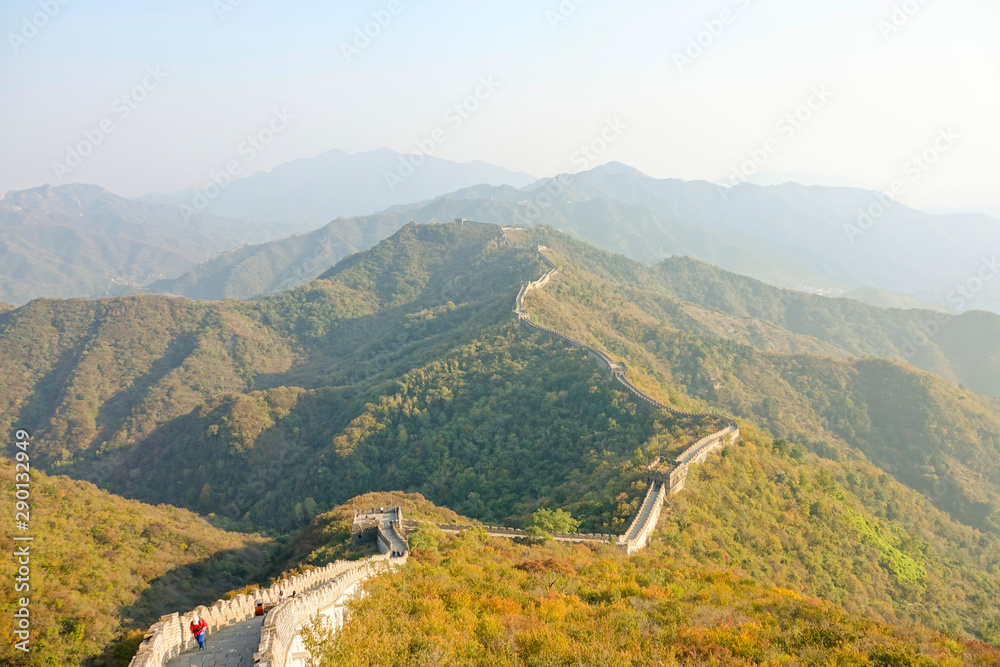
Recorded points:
(664, 478)
(324, 590)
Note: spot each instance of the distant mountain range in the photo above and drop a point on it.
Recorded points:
(305, 194)
(812, 238)
(83, 241)
(805, 238)
(272, 267)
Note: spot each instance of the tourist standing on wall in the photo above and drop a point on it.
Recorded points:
(198, 627)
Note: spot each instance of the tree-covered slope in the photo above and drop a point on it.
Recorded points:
(88, 377)
(401, 369)
(92, 376)
(494, 429)
(932, 435)
(102, 568)
(962, 348)
(268, 268)
(473, 600)
(838, 530)
(83, 241)
(703, 299)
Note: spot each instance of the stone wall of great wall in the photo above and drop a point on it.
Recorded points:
(284, 623)
(170, 636)
(324, 587)
(499, 531)
(665, 478)
(644, 523)
(316, 591)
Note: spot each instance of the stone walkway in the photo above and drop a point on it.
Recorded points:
(232, 646)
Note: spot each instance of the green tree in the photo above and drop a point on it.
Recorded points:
(545, 521)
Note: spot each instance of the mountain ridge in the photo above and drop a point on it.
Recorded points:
(308, 192)
(401, 368)
(83, 241)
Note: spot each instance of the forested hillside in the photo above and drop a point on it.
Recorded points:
(961, 348)
(933, 436)
(860, 481)
(89, 377)
(494, 429)
(83, 241)
(103, 568)
(268, 268)
(475, 600)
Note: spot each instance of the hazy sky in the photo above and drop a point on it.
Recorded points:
(200, 76)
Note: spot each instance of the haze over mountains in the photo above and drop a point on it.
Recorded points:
(83, 241)
(808, 238)
(307, 193)
(802, 237)
(269, 268)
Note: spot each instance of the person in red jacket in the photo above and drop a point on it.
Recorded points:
(198, 627)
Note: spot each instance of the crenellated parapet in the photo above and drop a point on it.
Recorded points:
(324, 588)
(285, 622)
(316, 590)
(665, 478)
(500, 531)
(644, 523)
(169, 637)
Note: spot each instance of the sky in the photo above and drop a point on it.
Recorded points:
(155, 96)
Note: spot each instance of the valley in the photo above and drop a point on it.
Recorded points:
(499, 335)
(274, 400)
